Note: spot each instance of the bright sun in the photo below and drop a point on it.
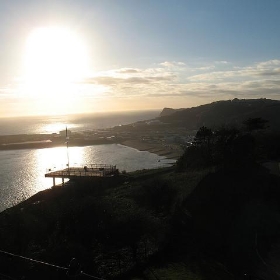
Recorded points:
(54, 56)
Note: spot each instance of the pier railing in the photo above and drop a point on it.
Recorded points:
(87, 170)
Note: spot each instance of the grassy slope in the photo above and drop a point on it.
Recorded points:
(157, 224)
(99, 222)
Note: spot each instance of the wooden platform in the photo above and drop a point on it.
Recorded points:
(90, 170)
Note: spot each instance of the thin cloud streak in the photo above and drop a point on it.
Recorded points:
(161, 82)
(268, 68)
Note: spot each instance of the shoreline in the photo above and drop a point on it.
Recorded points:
(169, 152)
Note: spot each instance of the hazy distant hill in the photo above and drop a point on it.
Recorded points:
(224, 112)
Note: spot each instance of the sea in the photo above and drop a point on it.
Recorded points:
(22, 171)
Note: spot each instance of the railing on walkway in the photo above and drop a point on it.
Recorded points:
(88, 170)
(14, 263)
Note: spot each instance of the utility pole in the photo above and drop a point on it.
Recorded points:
(67, 141)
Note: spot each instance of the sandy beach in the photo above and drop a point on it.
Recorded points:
(167, 151)
(15, 142)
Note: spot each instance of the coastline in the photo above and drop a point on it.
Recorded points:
(168, 152)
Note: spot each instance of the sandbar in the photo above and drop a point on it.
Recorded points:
(170, 152)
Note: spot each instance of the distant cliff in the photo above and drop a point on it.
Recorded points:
(169, 111)
(224, 113)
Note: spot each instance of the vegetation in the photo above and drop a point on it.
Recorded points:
(232, 146)
(227, 112)
(215, 215)
(112, 227)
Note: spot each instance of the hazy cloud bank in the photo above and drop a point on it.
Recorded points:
(218, 80)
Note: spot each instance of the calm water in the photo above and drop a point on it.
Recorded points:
(53, 124)
(22, 171)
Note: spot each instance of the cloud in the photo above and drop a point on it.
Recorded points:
(170, 64)
(268, 68)
(255, 89)
(107, 80)
(269, 63)
(221, 62)
(273, 72)
(253, 81)
(128, 70)
(204, 68)
(159, 85)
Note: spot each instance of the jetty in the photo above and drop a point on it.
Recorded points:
(86, 171)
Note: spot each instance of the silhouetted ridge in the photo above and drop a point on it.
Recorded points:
(169, 111)
(225, 112)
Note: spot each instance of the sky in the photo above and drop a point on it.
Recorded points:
(59, 57)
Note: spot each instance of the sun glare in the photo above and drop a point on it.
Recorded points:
(54, 56)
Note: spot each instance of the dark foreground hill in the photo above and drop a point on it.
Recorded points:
(224, 113)
(200, 224)
(215, 216)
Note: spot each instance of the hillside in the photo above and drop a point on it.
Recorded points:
(115, 228)
(224, 112)
(214, 215)
(153, 224)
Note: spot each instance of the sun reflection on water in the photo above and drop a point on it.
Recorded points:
(22, 172)
(57, 127)
(55, 159)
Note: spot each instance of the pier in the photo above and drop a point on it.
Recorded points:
(86, 171)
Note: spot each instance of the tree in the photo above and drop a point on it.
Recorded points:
(203, 135)
(200, 154)
(225, 138)
(252, 124)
